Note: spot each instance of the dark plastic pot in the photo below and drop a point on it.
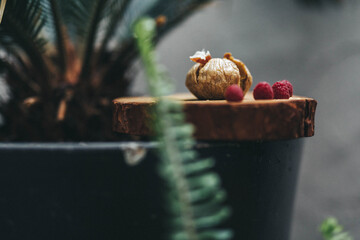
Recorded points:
(88, 191)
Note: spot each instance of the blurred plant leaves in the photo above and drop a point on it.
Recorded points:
(332, 230)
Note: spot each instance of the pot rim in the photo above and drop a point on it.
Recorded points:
(78, 146)
(124, 145)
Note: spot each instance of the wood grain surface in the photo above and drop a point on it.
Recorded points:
(248, 120)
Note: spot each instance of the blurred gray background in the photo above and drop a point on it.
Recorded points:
(318, 50)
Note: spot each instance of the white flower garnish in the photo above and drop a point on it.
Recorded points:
(201, 56)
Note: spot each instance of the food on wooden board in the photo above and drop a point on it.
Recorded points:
(217, 78)
(234, 93)
(263, 90)
(282, 89)
(210, 77)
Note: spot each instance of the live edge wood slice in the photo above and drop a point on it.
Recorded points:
(248, 120)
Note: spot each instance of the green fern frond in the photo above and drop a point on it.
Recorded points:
(194, 195)
(332, 230)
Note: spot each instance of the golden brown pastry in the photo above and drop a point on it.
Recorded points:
(210, 77)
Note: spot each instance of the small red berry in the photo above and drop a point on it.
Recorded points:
(263, 90)
(234, 93)
(281, 90)
(289, 85)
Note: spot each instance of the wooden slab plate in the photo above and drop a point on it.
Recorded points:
(248, 120)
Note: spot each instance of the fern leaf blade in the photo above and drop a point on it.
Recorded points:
(192, 189)
(197, 167)
(216, 235)
(214, 219)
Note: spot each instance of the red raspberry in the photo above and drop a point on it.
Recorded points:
(289, 85)
(263, 90)
(281, 90)
(234, 93)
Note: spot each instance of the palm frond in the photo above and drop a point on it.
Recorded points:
(116, 12)
(17, 70)
(76, 15)
(21, 29)
(83, 18)
(175, 12)
(4, 89)
(91, 31)
(56, 27)
(83, 46)
(194, 193)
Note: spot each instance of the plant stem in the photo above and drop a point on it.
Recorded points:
(187, 213)
(145, 30)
